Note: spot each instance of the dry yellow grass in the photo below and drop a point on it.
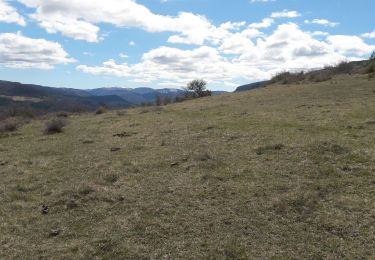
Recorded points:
(284, 172)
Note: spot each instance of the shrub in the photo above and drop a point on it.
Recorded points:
(343, 67)
(167, 100)
(160, 100)
(101, 110)
(179, 99)
(198, 88)
(62, 114)
(17, 111)
(320, 76)
(371, 68)
(54, 126)
(372, 57)
(121, 112)
(288, 77)
(8, 126)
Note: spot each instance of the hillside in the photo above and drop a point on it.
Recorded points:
(284, 171)
(43, 99)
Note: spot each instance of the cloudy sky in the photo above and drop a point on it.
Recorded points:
(166, 43)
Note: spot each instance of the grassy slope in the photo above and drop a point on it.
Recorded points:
(283, 171)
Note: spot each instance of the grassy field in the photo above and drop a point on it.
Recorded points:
(281, 172)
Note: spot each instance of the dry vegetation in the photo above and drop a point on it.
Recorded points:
(329, 72)
(283, 171)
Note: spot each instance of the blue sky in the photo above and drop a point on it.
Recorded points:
(166, 43)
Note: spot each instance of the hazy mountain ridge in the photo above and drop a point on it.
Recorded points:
(68, 99)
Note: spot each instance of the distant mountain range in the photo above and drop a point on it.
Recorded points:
(48, 99)
(136, 96)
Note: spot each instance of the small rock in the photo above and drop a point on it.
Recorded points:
(45, 209)
(88, 142)
(346, 169)
(54, 232)
(3, 163)
(115, 149)
(124, 134)
(174, 164)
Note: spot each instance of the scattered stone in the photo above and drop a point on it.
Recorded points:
(88, 142)
(124, 134)
(346, 169)
(174, 164)
(45, 209)
(3, 163)
(54, 232)
(115, 149)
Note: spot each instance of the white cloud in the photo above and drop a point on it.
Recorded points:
(78, 19)
(178, 66)
(266, 22)
(18, 51)
(108, 68)
(323, 22)
(369, 35)
(123, 55)
(319, 33)
(68, 26)
(348, 45)
(9, 14)
(253, 56)
(285, 14)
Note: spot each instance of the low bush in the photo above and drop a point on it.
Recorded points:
(55, 126)
(62, 114)
(343, 67)
(9, 125)
(121, 112)
(17, 111)
(101, 110)
(288, 77)
(320, 76)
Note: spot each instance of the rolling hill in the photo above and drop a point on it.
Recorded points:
(284, 172)
(48, 99)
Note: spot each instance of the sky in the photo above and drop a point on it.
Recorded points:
(167, 43)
